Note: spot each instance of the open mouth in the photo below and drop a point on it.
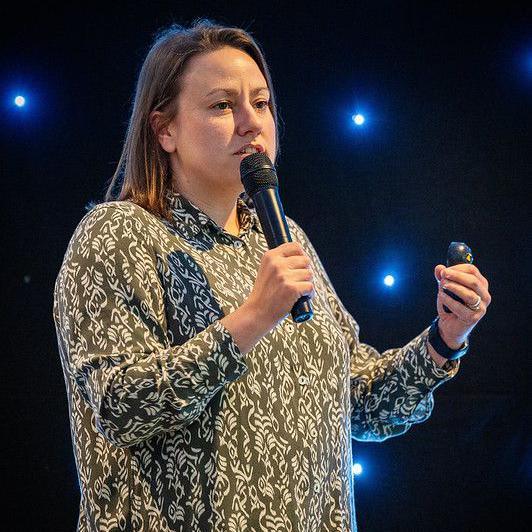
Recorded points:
(249, 149)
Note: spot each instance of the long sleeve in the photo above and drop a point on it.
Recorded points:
(390, 391)
(111, 327)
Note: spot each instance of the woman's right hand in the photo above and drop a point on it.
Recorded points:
(285, 274)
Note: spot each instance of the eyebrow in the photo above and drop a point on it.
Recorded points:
(233, 92)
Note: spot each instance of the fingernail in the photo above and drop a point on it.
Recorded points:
(443, 274)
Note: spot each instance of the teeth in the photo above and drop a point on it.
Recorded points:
(249, 149)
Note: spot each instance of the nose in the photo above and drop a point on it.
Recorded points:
(248, 121)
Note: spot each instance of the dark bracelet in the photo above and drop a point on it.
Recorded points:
(441, 347)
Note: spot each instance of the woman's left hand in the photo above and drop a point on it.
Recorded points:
(466, 281)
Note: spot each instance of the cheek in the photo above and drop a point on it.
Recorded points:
(272, 139)
(200, 128)
(214, 135)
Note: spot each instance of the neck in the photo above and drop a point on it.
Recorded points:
(220, 207)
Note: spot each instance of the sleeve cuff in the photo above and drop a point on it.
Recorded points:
(232, 360)
(428, 365)
(211, 360)
(423, 376)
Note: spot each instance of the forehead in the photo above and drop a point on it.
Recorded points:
(227, 68)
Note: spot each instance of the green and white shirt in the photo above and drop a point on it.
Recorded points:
(173, 428)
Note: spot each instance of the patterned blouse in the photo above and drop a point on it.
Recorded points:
(173, 428)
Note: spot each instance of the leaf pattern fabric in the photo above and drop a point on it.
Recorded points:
(173, 428)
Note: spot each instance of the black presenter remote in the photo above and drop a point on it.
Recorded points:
(458, 253)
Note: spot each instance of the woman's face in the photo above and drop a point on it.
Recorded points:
(222, 106)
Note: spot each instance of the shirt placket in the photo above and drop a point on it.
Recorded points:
(302, 380)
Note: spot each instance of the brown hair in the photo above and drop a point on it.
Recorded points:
(143, 174)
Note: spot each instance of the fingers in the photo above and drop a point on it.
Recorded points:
(300, 275)
(307, 289)
(466, 282)
(291, 257)
(437, 271)
(463, 275)
(289, 249)
(463, 268)
(298, 261)
(287, 272)
(457, 280)
(468, 295)
(462, 312)
(300, 269)
(459, 269)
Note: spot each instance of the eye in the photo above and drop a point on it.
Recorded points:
(220, 106)
(262, 104)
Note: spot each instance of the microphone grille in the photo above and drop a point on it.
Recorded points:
(257, 172)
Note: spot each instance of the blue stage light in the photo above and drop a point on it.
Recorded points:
(358, 119)
(389, 280)
(357, 469)
(528, 63)
(19, 101)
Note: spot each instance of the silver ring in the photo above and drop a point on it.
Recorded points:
(476, 306)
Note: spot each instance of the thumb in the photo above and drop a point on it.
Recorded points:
(437, 271)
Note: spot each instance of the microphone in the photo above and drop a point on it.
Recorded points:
(458, 253)
(259, 178)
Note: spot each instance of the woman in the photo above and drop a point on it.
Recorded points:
(195, 402)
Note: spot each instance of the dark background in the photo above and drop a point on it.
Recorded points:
(444, 155)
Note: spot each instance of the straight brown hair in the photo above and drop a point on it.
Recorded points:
(143, 173)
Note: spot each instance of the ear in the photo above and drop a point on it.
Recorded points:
(163, 131)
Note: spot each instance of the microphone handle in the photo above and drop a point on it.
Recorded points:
(271, 215)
